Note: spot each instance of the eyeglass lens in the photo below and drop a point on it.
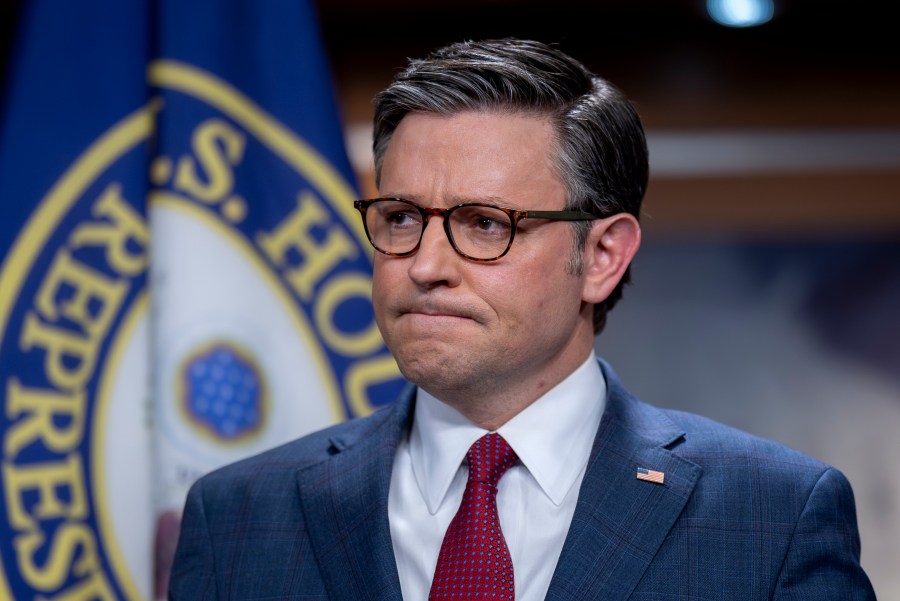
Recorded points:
(478, 232)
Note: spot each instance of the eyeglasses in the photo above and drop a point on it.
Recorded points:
(477, 231)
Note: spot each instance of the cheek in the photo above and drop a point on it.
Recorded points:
(381, 287)
(384, 273)
(516, 296)
(390, 285)
(546, 294)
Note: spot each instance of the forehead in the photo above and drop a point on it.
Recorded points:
(473, 154)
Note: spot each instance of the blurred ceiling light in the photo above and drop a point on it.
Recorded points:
(740, 13)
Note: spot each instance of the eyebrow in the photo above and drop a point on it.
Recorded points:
(453, 201)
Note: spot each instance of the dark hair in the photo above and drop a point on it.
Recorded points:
(602, 152)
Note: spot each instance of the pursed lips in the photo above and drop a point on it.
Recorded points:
(437, 312)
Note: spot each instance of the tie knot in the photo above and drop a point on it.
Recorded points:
(489, 458)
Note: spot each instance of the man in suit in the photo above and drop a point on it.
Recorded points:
(518, 466)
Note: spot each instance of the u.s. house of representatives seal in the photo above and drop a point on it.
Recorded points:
(160, 325)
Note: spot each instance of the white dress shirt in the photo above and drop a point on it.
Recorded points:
(536, 497)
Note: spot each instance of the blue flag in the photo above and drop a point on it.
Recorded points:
(184, 280)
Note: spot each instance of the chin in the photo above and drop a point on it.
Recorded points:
(430, 370)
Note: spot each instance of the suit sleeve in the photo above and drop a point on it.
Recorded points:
(822, 562)
(193, 569)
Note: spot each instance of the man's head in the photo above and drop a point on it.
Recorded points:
(481, 148)
(600, 152)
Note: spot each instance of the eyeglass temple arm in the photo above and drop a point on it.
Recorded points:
(560, 215)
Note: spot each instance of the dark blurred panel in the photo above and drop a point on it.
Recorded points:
(817, 63)
(9, 12)
(814, 63)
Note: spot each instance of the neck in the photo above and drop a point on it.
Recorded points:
(489, 407)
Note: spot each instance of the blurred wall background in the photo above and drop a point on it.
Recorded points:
(767, 292)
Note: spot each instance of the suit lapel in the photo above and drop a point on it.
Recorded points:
(345, 504)
(620, 521)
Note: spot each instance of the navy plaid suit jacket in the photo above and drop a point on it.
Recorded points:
(738, 517)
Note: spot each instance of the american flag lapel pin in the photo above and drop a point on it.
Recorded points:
(650, 475)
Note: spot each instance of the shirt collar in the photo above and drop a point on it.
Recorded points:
(552, 436)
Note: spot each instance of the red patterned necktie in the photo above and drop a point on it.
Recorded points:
(474, 562)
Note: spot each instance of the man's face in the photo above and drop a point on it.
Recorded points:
(514, 326)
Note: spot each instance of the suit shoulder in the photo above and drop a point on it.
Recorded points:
(712, 444)
(302, 452)
(694, 437)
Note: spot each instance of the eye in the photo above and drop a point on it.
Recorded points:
(487, 224)
(399, 215)
(483, 221)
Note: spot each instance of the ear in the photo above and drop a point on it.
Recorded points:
(609, 249)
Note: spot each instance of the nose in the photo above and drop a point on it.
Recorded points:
(435, 263)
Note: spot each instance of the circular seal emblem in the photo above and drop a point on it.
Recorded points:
(156, 323)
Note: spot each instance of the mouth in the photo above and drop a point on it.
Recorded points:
(428, 325)
(435, 315)
(436, 311)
